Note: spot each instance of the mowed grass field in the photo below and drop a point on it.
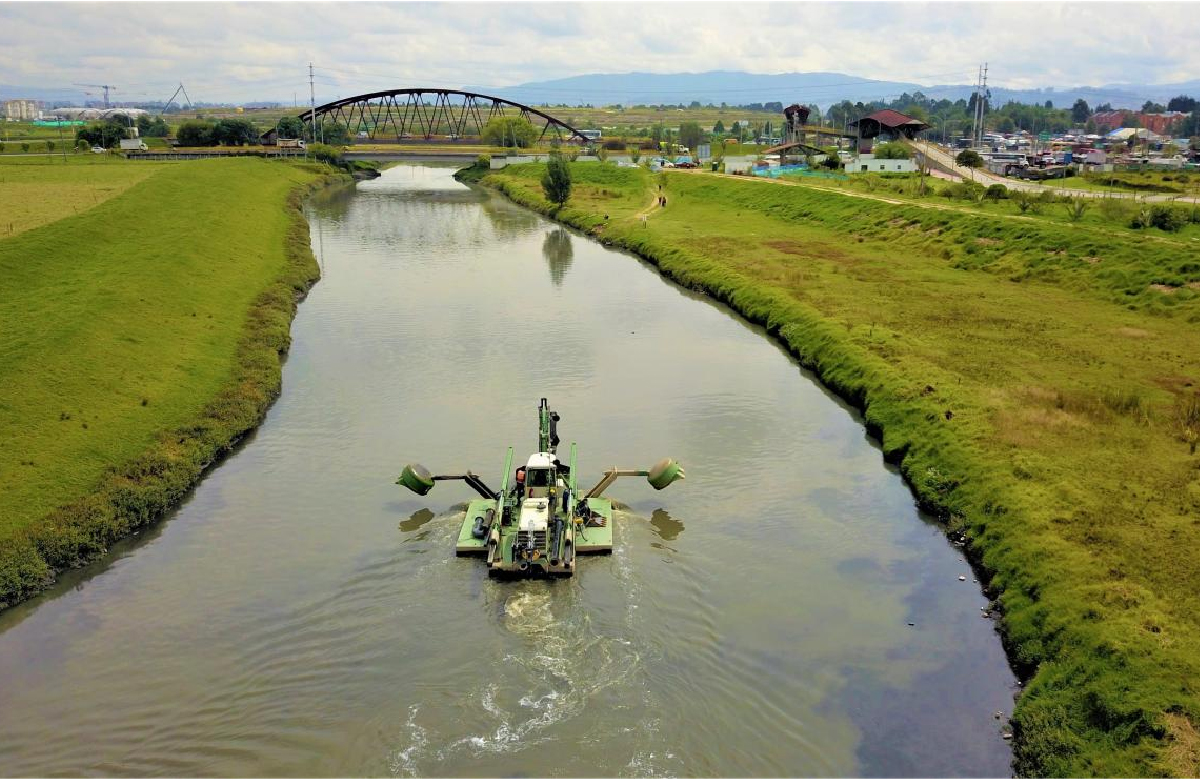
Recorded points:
(36, 191)
(124, 321)
(1037, 382)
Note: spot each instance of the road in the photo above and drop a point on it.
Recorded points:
(946, 161)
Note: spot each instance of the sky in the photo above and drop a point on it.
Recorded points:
(241, 52)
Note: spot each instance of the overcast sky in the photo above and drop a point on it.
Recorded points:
(260, 51)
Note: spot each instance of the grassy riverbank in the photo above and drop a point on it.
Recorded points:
(142, 338)
(1036, 382)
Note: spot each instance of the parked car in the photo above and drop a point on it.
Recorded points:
(98, 150)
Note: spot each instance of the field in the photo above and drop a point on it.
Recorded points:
(144, 311)
(37, 191)
(1101, 214)
(1036, 380)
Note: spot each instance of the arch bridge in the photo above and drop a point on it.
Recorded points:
(428, 113)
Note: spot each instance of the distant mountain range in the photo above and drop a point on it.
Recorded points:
(740, 88)
(824, 89)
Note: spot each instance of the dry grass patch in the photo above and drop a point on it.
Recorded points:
(1182, 756)
(36, 195)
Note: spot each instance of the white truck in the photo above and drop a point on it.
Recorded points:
(290, 143)
(133, 145)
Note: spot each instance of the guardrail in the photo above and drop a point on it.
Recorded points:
(214, 154)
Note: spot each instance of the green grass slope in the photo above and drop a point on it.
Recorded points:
(139, 341)
(1036, 382)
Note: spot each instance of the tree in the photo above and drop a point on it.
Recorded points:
(152, 128)
(556, 182)
(234, 132)
(509, 131)
(291, 127)
(25, 147)
(1150, 107)
(736, 130)
(1130, 120)
(1104, 107)
(719, 128)
(334, 133)
(689, 134)
(106, 133)
(969, 158)
(49, 146)
(1049, 105)
(195, 133)
(1080, 112)
(1182, 103)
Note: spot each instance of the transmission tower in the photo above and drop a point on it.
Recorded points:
(980, 99)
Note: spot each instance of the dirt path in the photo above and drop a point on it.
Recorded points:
(934, 206)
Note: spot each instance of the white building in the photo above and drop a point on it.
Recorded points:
(867, 163)
(22, 110)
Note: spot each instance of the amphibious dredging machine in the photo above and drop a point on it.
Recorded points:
(538, 521)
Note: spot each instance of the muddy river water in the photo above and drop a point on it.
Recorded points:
(785, 610)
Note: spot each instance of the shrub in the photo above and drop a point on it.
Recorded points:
(615, 145)
(325, 153)
(891, 151)
(25, 147)
(997, 192)
(1076, 207)
(1115, 209)
(1168, 218)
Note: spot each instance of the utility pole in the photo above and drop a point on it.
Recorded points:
(983, 103)
(312, 96)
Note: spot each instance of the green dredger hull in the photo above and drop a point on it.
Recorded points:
(593, 537)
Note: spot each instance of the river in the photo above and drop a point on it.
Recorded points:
(784, 611)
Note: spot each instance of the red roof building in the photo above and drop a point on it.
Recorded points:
(890, 123)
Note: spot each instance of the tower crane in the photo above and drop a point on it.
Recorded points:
(105, 87)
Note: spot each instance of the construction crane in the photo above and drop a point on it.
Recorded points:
(105, 87)
(172, 98)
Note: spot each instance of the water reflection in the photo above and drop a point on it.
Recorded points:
(416, 520)
(558, 253)
(667, 527)
(509, 221)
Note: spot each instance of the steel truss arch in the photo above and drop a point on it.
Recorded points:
(426, 112)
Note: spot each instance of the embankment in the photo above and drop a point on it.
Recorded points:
(1034, 381)
(144, 338)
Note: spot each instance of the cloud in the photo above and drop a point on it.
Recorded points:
(242, 52)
